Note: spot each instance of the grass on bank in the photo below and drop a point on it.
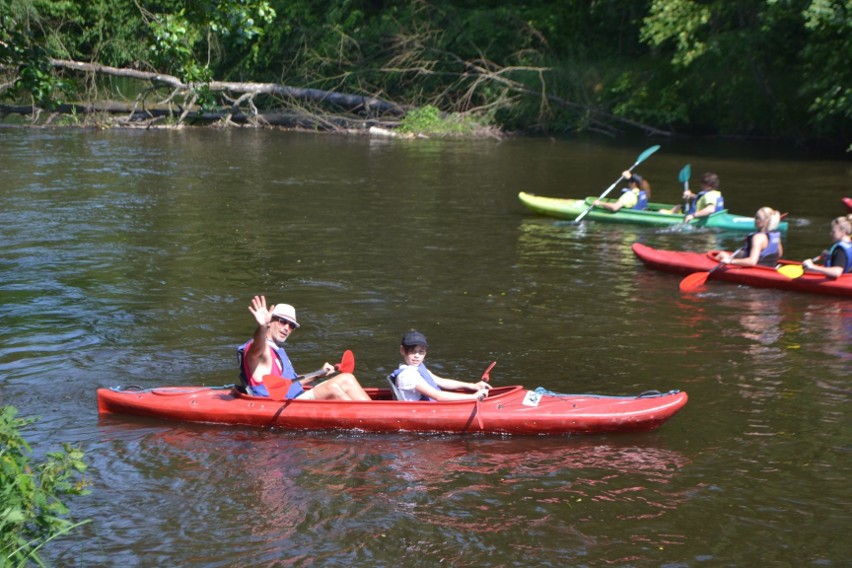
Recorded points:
(429, 121)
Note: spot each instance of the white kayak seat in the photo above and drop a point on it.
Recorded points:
(394, 389)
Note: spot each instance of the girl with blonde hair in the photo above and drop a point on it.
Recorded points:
(761, 248)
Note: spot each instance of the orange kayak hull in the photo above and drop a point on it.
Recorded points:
(508, 410)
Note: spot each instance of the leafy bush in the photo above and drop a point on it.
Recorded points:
(428, 120)
(31, 509)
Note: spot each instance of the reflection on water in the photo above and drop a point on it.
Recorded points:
(295, 494)
(835, 320)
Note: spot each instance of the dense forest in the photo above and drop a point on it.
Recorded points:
(776, 69)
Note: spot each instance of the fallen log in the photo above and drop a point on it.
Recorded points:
(129, 115)
(350, 102)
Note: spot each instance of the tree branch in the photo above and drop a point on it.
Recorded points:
(349, 102)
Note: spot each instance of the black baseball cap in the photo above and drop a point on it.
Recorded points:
(413, 338)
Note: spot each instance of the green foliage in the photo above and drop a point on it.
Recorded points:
(682, 22)
(35, 73)
(173, 40)
(772, 68)
(37, 78)
(763, 67)
(632, 97)
(244, 20)
(827, 81)
(202, 39)
(428, 120)
(234, 31)
(422, 119)
(182, 38)
(109, 30)
(31, 509)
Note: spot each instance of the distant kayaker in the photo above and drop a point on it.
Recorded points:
(634, 196)
(264, 355)
(415, 382)
(762, 247)
(839, 256)
(705, 202)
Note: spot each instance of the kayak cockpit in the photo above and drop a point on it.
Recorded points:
(377, 394)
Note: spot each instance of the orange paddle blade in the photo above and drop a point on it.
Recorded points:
(346, 365)
(277, 386)
(347, 362)
(693, 281)
(791, 270)
(485, 376)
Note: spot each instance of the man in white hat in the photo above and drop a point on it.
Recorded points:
(264, 355)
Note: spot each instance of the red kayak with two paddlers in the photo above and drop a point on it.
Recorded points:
(788, 275)
(507, 410)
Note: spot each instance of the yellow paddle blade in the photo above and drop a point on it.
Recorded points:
(791, 270)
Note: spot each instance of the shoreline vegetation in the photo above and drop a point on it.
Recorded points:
(436, 68)
(34, 492)
(283, 106)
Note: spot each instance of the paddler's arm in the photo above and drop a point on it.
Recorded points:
(705, 211)
(453, 384)
(258, 350)
(443, 395)
(626, 200)
(326, 370)
(759, 241)
(830, 271)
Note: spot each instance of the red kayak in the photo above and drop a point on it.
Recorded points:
(847, 201)
(759, 276)
(507, 410)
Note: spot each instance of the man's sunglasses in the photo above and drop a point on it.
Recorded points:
(283, 321)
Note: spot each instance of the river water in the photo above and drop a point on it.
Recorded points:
(130, 258)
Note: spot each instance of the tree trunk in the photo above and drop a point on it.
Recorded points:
(241, 94)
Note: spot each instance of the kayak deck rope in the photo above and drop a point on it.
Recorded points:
(137, 388)
(646, 394)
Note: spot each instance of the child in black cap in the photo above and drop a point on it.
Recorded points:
(415, 382)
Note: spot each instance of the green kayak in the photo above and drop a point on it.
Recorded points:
(571, 208)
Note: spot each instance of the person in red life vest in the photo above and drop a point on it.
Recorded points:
(264, 355)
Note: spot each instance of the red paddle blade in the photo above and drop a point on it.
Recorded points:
(693, 281)
(347, 362)
(485, 376)
(277, 387)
